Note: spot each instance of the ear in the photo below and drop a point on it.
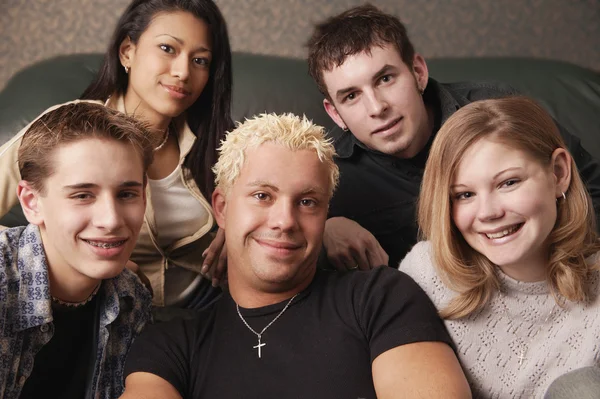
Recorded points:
(420, 71)
(333, 114)
(219, 204)
(30, 202)
(561, 167)
(126, 52)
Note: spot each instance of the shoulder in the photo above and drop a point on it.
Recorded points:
(420, 265)
(480, 90)
(9, 250)
(12, 145)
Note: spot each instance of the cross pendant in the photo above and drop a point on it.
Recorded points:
(259, 346)
(521, 357)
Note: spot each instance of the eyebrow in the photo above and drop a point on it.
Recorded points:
(201, 49)
(514, 168)
(265, 184)
(386, 68)
(83, 186)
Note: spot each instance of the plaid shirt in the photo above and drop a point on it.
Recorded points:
(26, 315)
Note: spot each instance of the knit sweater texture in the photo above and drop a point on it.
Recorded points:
(521, 340)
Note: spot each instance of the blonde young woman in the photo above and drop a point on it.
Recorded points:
(511, 258)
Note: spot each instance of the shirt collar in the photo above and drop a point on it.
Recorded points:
(34, 301)
(436, 95)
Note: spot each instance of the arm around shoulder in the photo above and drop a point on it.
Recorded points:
(419, 370)
(148, 386)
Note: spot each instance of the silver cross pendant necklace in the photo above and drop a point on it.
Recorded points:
(259, 335)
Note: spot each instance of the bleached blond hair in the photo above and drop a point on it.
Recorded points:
(288, 130)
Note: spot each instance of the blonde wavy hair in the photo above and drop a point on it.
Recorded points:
(288, 130)
(522, 124)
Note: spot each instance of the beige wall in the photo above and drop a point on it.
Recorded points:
(33, 30)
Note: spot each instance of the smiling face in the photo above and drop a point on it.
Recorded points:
(89, 214)
(377, 97)
(274, 215)
(504, 203)
(168, 67)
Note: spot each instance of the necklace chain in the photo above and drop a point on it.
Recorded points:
(524, 346)
(259, 335)
(76, 304)
(164, 141)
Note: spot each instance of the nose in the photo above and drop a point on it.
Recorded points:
(180, 68)
(107, 214)
(375, 103)
(283, 216)
(489, 208)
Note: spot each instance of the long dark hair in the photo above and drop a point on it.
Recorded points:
(210, 116)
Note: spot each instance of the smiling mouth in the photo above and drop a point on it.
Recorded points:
(177, 89)
(105, 245)
(388, 126)
(506, 232)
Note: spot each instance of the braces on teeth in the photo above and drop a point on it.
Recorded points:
(105, 244)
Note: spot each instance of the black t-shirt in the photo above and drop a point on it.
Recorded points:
(322, 346)
(61, 368)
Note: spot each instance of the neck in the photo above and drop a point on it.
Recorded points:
(70, 288)
(250, 297)
(67, 284)
(156, 122)
(529, 271)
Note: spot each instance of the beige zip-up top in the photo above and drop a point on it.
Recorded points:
(185, 252)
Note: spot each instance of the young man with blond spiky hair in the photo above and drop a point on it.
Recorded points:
(286, 329)
(69, 311)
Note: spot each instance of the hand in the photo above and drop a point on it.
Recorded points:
(349, 246)
(136, 269)
(215, 259)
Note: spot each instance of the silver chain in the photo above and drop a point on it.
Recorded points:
(259, 335)
(524, 346)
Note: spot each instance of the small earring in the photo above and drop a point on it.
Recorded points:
(126, 69)
(564, 196)
(422, 91)
(345, 128)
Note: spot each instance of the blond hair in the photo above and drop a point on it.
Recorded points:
(73, 122)
(288, 130)
(522, 124)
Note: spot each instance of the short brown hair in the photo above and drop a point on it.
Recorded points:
(520, 123)
(73, 122)
(352, 32)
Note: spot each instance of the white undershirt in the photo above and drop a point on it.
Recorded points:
(177, 214)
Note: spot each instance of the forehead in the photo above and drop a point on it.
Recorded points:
(179, 24)
(284, 169)
(488, 156)
(95, 160)
(364, 65)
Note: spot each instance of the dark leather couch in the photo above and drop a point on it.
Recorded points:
(272, 84)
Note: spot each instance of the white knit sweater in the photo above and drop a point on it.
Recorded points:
(521, 341)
